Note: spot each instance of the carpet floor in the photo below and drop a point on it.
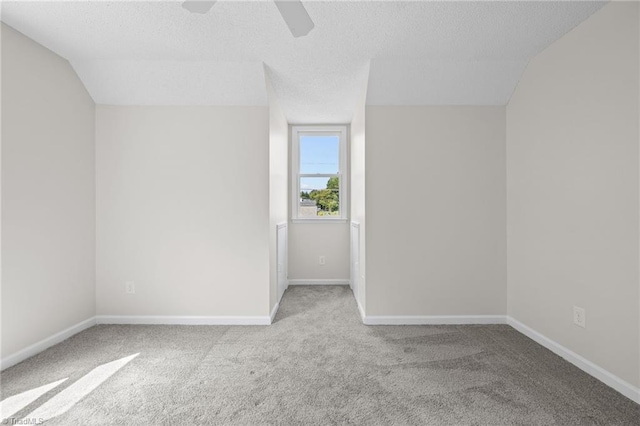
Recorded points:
(316, 365)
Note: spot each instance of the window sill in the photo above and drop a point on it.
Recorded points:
(323, 220)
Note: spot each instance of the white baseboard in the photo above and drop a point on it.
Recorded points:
(43, 344)
(344, 281)
(183, 320)
(274, 311)
(609, 379)
(433, 319)
(627, 389)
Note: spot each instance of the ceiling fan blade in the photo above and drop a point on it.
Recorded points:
(198, 6)
(296, 17)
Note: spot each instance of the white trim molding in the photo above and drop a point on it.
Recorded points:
(183, 320)
(361, 311)
(609, 379)
(324, 220)
(341, 281)
(433, 319)
(274, 311)
(43, 344)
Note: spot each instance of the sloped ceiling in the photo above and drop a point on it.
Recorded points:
(419, 52)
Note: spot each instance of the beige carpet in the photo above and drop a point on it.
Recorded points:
(318, 365)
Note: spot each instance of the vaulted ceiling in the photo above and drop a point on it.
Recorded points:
(417, 52)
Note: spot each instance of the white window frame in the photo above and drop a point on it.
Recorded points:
(296, 133)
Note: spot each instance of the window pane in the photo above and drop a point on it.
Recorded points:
(319, 196)
(319, 154)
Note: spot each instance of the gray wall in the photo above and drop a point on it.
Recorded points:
(48, 195)
(572, 144)
(436, 211)
(183, 210)
(309, 241)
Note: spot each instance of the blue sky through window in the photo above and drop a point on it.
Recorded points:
(319, 154)
(310, 183)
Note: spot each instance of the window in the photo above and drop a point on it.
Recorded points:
(319, 159)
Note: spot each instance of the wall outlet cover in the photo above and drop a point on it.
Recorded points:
(579, 316)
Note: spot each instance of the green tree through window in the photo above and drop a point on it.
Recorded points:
(328, 200)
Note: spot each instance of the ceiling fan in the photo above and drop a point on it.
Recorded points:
(292, 11)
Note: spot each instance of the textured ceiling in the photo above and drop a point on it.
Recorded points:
(420, 52)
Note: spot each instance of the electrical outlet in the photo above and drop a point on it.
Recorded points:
(130, 287)
(322, 260)
(579, 317)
